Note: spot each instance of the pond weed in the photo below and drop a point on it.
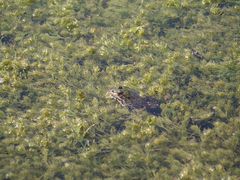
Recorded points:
(58, 59)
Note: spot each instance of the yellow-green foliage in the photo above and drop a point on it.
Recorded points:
(59, 58)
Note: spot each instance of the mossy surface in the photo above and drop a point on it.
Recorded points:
(59, 58)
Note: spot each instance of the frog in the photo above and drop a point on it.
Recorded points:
(133, 101)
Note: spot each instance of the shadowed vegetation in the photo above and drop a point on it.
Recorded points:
(59, 58)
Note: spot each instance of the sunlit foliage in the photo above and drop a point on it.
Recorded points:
(58, 58)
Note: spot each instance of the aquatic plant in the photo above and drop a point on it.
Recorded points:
(59, 58)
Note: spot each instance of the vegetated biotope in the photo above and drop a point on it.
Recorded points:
(59, 58)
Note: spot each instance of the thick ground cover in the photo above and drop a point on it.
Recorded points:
(58, 59)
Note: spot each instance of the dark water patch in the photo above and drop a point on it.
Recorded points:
(105, 4)
(197, 72)
(173, 22)
(2, 136)
(153, 106)
(154, 111)
(89, 38)
(23, 93)
(206, 13)
(80, 61)
(32, 60)
(39, 21)
(119, 125)
(87, 13)
(161, 32)
(7, 39)
(235, 102)
(237, 165)
(26, 92)
(103, 65)
(194, 95)
(193, 135)
(188, 23)
(20, 106)
(59, 175)
(227, 4)
(4, 94)
(208, 122)
(202, 124)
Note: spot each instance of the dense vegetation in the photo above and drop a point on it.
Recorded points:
(58, 58)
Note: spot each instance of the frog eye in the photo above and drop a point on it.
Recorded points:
(120, 93)
(112, 91)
